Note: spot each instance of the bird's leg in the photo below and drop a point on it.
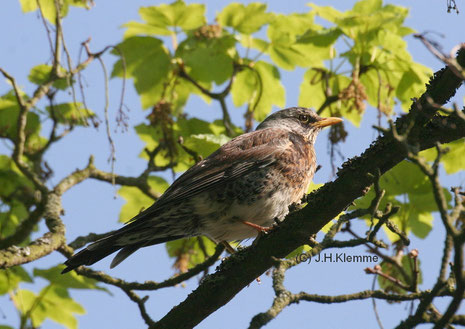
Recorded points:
(260, 229)
(228, 247)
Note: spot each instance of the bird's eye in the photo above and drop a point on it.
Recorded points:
(304, 118)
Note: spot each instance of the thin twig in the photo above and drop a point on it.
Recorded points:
(148, 285)
(112, 158)
(141, 304)
(44, 22)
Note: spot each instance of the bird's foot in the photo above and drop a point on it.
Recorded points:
(260, 229)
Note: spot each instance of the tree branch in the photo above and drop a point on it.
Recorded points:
(92, 172)
(285, 300)
(220, 96)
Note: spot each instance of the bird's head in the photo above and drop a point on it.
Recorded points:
(299, 120)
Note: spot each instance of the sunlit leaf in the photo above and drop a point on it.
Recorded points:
(167, 19)
(70, 113)
(407, 187)
(48, 7)
(205, 144)
(261, 87)
(291, 42)
(248, 41)
(245, 19)
(208, 59)
(9, 112)
(148, 63)
(412, 83)
(69, 280)
(190, 252)
(136, 201)
(453, 160)
(11, 277)
(45, 305)
(40, 74)
(12, 218)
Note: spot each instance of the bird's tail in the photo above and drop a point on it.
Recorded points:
(110, 244)
(92, 254)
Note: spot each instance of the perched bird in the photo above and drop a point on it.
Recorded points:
(239, 190)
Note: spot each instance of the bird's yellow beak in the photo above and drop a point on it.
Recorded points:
(324, 122)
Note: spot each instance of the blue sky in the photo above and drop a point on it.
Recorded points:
(93, 207)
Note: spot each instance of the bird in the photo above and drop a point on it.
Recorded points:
(240, 190)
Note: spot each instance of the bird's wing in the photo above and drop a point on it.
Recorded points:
(237, 158)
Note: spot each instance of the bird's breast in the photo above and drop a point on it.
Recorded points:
(297, 166)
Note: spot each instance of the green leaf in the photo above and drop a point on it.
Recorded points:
(11, 277)
(48, 7)
(246, 87)
(208, 59)
(15, 193)
(412, 83)
(148, 63)
(136, 201)
(209, 65)
(190, 252)
(370, 25)
(326, 12)
(407, 187)
(312, 94)
(379, 88)
(186, 128)
(181, 128)
(69, 280)
(407, 264)
(40, 74)
(453, 160)
(205, 144)
(139, 29)
(46, 304)
(9, 112)
(181, 91)
(259, 86)
(13, 181)
(12, 218)
(367, 6)
(245, 19)
(70, 113)
(247, 41)
(25, 299)
(299, 250)
(421, 223)
(165, 19)
(287, 49)
(312, 90)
